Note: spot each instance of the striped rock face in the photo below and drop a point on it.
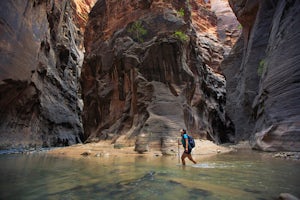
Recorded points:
(262, 75)
(41, 55)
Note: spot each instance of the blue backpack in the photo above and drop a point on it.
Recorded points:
(191, 141)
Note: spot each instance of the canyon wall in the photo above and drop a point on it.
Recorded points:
(41, 45)
(263, 75)
(151, 68)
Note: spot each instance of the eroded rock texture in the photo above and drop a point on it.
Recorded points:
(263, 75)
(41, 44)
(228, 28)
(149, 70)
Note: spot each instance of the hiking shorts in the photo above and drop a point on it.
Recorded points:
(189, 151)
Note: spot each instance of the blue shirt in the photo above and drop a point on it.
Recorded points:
(185, 136)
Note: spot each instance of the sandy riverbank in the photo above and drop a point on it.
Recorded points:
(105, 148)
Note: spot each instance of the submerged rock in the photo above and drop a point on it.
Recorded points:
(86, 153)
(287, 196)
(288, 155)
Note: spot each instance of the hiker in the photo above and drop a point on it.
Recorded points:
(186, 146)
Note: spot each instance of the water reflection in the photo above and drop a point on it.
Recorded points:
(232, 176)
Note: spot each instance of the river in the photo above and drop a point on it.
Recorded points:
(245, 175)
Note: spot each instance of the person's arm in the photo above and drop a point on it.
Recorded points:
(179, 141)
(186, 144)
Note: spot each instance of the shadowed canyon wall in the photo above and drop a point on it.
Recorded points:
(41, 52)
(150, 68)
(263, 75)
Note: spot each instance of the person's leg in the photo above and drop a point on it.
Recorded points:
(183, 156)
(191, 159)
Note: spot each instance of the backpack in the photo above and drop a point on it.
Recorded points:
(191, 141)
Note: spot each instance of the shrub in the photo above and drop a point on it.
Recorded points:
(137, 30)
(181, 12)
(240, 27)
(261, 67)
(180, 35)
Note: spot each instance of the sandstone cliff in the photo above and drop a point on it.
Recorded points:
(150, 69)
(41, 52)
(263, 77)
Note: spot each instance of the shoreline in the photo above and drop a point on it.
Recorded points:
(203, 148)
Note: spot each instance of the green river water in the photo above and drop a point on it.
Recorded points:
(246, 175)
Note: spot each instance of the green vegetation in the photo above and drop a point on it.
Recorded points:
(182, 36)
(137, 30)
(240, 27)
(261, 67)
(181, 12)
(118, 146)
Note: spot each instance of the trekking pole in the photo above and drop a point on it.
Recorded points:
(178, 152)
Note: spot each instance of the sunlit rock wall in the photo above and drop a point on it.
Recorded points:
(150, 69)
(41, 52)
(263, 75)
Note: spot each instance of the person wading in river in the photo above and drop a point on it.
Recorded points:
(186, 146)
